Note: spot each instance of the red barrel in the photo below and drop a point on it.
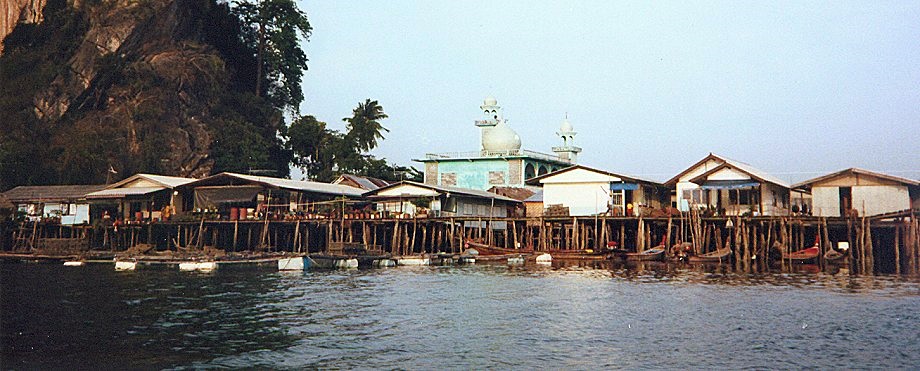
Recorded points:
(139, 215)
(243, 211)
(234, 213)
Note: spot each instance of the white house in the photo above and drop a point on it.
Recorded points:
(732, 187)
(866, 192)
(589, 191)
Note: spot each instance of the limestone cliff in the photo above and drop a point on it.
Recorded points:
(145, 86)
(18, 11)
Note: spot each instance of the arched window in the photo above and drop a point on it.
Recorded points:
(542, 170)
(529, 171)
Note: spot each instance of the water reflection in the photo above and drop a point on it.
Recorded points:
(581, 314)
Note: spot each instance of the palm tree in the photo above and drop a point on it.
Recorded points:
(364, 127)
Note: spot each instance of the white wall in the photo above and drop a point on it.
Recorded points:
(580, 198)
(874, 200)
(825, 201)
(867, 200)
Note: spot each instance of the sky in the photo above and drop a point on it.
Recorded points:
(797, 89)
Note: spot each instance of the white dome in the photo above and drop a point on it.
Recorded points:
(490, 101)
(500, 138)
(566, 126)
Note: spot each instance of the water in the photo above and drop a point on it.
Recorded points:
(476, 317)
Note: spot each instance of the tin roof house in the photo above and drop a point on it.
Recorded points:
(67, 202)
(142, 196)
(861, 192)
(589, 191)
(730, 187)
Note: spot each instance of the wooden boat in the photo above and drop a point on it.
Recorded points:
(834, 256)
(485, 249)
(656, 253)
(803, 254)
(579, 254)
(718, 256)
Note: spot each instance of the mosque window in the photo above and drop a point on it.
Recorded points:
(529, 171)
(496, 177)
(542, 170)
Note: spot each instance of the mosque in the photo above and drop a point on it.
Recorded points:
(500, 161)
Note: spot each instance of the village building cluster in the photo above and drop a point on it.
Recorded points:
(501, 179)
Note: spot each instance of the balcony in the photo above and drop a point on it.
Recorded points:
(494, 154)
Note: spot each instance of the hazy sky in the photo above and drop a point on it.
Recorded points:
(797, 89)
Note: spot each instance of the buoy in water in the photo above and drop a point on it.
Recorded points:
(125, 266)
(346, 263)
(74, 263)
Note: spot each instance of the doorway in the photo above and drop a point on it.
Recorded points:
(846, 200)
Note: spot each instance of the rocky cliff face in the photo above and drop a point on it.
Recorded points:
(18, 11)
(147, 86)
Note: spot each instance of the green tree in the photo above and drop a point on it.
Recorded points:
(273, 29)
(364, 126)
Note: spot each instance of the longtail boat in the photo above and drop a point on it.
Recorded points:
(656, 253)
(485, 249)
(721, 255)
(834, 256)
(803, 255)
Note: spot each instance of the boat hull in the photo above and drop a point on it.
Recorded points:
(718, 256)
(655, 254)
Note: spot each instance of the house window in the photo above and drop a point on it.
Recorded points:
(449, 179)
(740, 197)
(775, 199)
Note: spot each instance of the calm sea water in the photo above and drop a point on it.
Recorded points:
(481, 316)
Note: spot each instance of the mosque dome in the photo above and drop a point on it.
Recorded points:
(500, 138)
(490, 101)
(566, 127)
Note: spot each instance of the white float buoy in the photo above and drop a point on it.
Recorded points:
(544, 258)
(518, 260)
(74, 263)
(414, 261)
(125, 266)
(346, 263)
(291, 264)
(384, 263)
(197, 266)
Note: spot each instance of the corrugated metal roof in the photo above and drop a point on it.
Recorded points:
(537, 197)
(50, 193)
(747, 168)
(535, 180)
(446, 189)
(122, 192)
(755, 172)
(854, 170)
(287, 184)
(517, 193)
(366, 182)
(165, 181)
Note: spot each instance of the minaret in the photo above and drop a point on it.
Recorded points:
(568, 151)
(493, 114)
